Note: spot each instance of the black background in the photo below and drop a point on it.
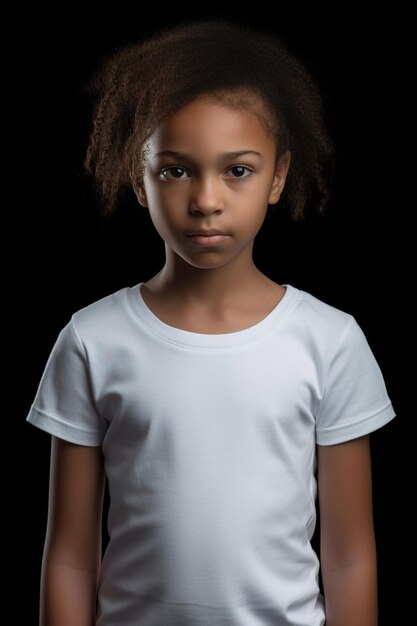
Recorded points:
(352, 258)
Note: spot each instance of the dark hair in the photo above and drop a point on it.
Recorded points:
(142, 84)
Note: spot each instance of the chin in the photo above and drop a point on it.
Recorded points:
(206, 264)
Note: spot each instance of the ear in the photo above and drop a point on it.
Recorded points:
(141, 194)
(280, 177)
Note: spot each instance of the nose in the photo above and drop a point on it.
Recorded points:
(206, 197)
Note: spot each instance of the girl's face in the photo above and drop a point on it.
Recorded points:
(210, 173)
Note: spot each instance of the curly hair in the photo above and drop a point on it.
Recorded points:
(141, 85)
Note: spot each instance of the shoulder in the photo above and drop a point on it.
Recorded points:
(104, 317)
(315, 317)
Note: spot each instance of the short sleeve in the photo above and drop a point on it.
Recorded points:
(355, 400)
(64, 405)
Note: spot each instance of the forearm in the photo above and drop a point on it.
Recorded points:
(351, 595)
(68, 595)
(347, 541)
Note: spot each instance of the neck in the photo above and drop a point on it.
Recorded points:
(211, 285)
(211, 300)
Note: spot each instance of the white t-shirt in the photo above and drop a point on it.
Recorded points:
(209, 444)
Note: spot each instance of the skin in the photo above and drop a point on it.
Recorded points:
(211, 285)
(348, 554)
(72, 548)
(216, 288)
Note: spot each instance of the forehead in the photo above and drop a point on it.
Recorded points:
(215, 124)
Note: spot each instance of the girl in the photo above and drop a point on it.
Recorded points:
(211, 398)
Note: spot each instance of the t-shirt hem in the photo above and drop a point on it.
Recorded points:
(59, 428)
(355, 428)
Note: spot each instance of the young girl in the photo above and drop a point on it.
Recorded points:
(211, 398)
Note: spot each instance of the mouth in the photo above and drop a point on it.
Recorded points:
(207, 237)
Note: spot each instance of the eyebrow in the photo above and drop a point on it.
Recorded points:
(224, 156)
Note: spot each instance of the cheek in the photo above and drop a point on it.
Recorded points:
(166, 207)
(163, 196)
(253, 204)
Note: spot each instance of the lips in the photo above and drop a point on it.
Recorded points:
(208, 237)
(206, 233)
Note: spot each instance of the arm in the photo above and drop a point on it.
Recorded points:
(73, 539)
(348, 555)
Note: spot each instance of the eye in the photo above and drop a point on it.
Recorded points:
(240, 171)
(173, 172)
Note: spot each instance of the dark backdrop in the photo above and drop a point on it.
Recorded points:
(73, 257)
